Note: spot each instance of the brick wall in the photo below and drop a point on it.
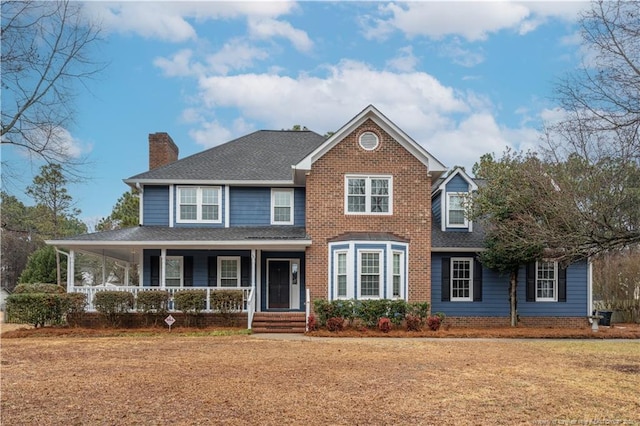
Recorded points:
(488, 322)
(411, 217)
(162, 150)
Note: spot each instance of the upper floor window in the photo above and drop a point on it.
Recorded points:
(546, 281)
(461, 279)
(199, 204)
(456, 217)
(282, 206)
(368, 194)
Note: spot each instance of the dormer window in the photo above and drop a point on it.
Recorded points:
(455, 210)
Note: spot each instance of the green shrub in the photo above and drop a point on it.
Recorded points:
(112, 305)
(191, 302)
(226, 301)
(39, 288)
(370, 311)
(419, 309)
(40, 309)
(76, 306)
(336, 308)
(397, 311)
(153, 305)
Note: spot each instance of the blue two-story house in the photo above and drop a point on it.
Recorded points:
(291, 216)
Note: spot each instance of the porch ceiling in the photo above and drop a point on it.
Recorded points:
(123, 243)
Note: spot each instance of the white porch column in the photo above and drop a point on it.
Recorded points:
(71, 267)
(163, 267)
(253, 269)
(104, 269)
(127, 267)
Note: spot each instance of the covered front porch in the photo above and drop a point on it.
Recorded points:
(266, 265)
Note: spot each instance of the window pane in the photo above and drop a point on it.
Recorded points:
(456, 217)
(209, 196)
(342, 286)
(356, 186)
(546, 280)
(370, 263)
(370, 285)
(228, 272)
(173, 268)
(396, 274)
(380, 204)
(379, 187)
(209, 212)
(282, 214)
(282, 198)
(188, 195)
(188, 212)
(356, 204)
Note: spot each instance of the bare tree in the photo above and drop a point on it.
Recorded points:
(602, 99)
(46, 53)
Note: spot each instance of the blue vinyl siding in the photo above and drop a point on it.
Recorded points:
(156, 205)
(495, 294)
(457, 184)
(252, 206)
(200, 264)
(576, 304)
(436, 213)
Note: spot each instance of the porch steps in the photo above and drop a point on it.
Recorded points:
(278, 322)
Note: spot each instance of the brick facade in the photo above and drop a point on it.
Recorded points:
(487, 322)
(411, 219)
(162, 150)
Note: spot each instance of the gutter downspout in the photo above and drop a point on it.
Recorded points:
(589, 289)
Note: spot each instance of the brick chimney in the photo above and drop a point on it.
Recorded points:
(162, 150)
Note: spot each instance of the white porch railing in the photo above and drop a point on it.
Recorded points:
(248, 298)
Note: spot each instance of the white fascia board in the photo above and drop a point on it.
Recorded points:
(211, 182)
(472, 185)
(457, 249)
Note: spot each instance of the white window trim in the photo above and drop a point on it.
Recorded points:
(219, 270)
(367, 210)
(274, 191)
(198, 204)
(448, 209)
(391, 275)
(181, 259)
(555, 284)
(381, 274)
(335, 274)
(461, 299)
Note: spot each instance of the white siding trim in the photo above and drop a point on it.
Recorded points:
(226, 207)
(172, 207)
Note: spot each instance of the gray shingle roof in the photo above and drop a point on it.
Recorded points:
(261, 155)
(453, 239)
(166, 234)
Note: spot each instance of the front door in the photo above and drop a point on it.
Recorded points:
(278, 286)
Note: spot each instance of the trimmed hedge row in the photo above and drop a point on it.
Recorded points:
(380, 313)
(40, 304)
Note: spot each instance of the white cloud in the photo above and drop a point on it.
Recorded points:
(266, 28)
(179, 65)
(169, 21)
(471, 20)
(212, 133)
(234, 55)
(405, 61)
(460, 55)
(57, 143)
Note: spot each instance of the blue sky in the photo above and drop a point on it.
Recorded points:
(461, 78)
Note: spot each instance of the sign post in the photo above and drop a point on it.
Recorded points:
(170, 320)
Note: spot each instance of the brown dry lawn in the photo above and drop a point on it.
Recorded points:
(182, 379)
